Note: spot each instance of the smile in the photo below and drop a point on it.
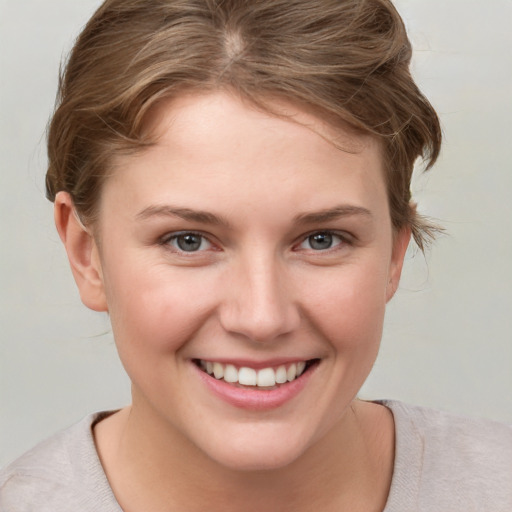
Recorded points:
(261, 378)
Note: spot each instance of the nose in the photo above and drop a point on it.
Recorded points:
(259, 303)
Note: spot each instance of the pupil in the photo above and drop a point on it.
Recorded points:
(189, 242)
(320, 241)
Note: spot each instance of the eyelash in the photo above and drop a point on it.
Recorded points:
(168, 239)
(343, 240)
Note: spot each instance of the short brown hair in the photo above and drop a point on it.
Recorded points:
(346, 59)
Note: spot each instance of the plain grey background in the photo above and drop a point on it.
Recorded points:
(447, 340)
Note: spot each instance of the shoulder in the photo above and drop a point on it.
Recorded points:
(61, 473)
(453, 462)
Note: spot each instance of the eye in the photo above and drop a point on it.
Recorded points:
(188, 242)
(321, 241)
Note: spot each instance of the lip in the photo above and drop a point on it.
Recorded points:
(257, 365)
(255, 399)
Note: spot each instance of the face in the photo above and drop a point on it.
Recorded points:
(246, 262)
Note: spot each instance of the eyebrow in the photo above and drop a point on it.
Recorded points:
(205, 217)
(333, 214)
(200, 216)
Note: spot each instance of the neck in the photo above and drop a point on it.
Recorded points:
(151, 467)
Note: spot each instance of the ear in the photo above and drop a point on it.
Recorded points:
(400, 243)
(82, 253)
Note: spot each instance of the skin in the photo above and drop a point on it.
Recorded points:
(256, 290)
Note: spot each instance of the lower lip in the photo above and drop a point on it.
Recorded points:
(253, 398)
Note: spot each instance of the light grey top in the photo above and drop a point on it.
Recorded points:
(443, 463)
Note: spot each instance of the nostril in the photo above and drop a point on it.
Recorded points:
(259, 326)
(258, 304)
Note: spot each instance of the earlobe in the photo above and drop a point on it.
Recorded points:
(400, 244)
(82, 253)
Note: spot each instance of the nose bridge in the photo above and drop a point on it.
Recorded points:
(260, 304)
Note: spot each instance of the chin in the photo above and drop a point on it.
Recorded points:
(265, 451)
(255, 460)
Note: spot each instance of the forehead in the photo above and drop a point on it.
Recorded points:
(218, 151)
(203, 111)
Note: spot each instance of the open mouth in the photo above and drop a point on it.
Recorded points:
(266, 378)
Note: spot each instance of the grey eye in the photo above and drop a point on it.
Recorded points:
(320, 241)
(189, 242)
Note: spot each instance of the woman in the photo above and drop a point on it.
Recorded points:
(232, 185)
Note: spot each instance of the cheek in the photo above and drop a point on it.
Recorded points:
(153, 316)
(349, 308)
(157, 310)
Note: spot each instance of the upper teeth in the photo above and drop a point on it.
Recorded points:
(265, 377)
